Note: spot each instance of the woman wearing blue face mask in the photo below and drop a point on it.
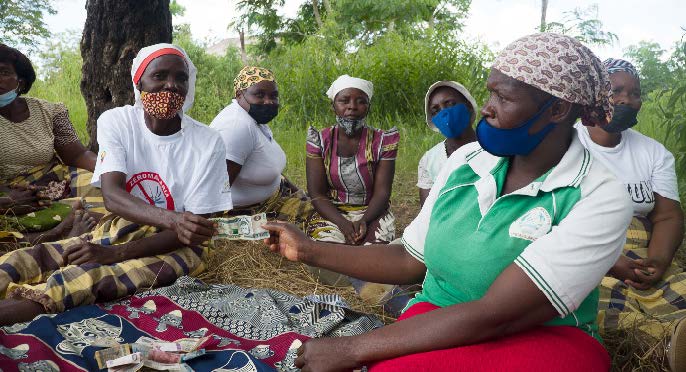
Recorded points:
(634, 291)
(42, 160)
(512, 241)
(450, 110)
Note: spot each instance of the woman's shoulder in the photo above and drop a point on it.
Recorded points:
(120, 114)
(233, 117)
(638, 141)
(52, 108)
(388, 136)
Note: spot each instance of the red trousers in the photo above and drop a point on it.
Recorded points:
(544, 348)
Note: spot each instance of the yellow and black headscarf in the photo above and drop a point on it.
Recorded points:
(251, 75)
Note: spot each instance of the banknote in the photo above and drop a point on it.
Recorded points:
(241, 227)
(134, 358)
(102, 356)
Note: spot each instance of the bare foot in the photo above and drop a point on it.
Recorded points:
(62, 230)
(66, 225)
(83, 223)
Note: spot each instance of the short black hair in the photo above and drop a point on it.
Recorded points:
(22, 65)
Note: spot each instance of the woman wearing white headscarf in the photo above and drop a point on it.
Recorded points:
(148, 169)
(350, 169)
(451, 110)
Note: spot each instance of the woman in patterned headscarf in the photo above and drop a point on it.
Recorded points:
(254, 159)
(512, 241)
(644, 282)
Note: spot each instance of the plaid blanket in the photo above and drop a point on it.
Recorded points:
(248, 329)
(654, 310)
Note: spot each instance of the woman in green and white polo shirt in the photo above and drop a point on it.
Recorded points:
(513, 239)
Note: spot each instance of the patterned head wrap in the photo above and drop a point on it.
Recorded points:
(147, 55)
(251, 75)
(616, 65)
(563, 67)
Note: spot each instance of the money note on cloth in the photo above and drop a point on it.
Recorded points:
(241, 227)
(102, 356)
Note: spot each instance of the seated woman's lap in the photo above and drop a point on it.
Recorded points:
(558, 348)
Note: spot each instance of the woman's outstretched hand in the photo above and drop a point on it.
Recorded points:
(287, 240)
(327, 354)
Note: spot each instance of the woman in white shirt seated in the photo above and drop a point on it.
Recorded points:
(450, 109)
(160, 172)
(642, 282)
(254, 159)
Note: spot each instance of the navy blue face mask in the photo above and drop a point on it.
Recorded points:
(453, 120)
(515, 141)
(624, 117)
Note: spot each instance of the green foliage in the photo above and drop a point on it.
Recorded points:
(214, 85)
(401, 68)
(60, 80)
(584, 25)
(261, 14)
(21, 21)
(176, 9)
(647, 57)
(663, 115)
(359, 22)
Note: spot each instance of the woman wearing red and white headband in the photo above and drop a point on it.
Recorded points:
(148, 170)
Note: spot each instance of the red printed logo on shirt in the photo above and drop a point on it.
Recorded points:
(150, 187)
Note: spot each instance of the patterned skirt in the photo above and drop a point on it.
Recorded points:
(38, 273)
(654, 310)
(65, 184)
(379, 231)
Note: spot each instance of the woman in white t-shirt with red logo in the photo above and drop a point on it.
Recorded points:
(646, 168)
(161, 173)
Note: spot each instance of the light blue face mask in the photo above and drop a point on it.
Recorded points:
(515, 141)
(7, 97)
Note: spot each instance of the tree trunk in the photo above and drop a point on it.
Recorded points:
(241, 37)
(544, 9)
(114, 33)
(317, 17)
(327, 6)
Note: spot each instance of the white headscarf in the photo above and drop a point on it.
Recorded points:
(345, 82)
(458, 87)
(148, 51)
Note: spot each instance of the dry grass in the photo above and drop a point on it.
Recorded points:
(633, 351)
(251, 264)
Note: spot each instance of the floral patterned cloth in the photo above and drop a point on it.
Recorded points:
(246, 329)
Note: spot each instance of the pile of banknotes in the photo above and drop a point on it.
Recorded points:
(148, 352)
(241, 227)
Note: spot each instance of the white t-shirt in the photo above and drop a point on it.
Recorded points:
(185, 171)
(642, 164)
(430, 165)
(253, 147)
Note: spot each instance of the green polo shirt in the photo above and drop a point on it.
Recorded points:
(565, 230)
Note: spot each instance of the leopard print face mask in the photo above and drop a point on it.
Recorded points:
(162, 105)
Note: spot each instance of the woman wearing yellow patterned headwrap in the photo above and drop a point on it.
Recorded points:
(254, 159)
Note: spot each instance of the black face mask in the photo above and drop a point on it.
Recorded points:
(262, 113)
(624, 117)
